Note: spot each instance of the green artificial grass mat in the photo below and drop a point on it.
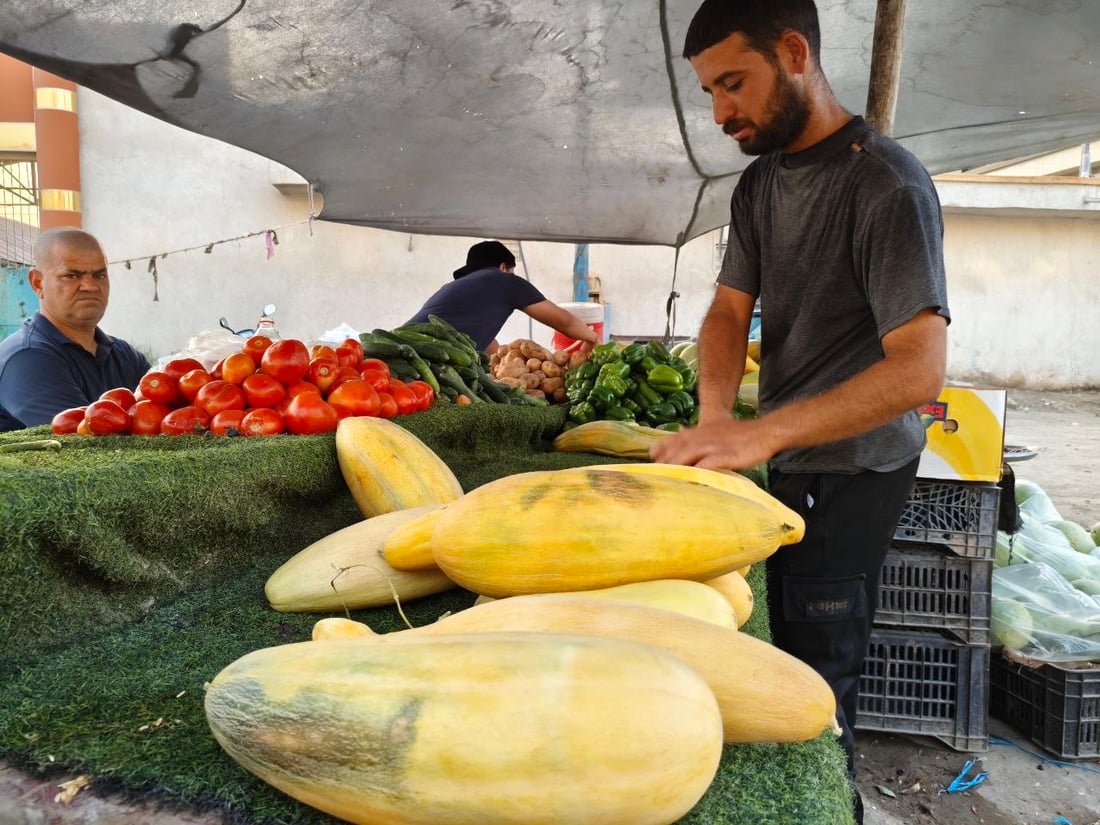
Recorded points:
(132, 571)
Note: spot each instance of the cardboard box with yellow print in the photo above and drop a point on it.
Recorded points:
(966, 435)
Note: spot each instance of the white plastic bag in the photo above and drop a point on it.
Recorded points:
(1037, 612)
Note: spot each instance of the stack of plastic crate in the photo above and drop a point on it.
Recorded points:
(927, 666)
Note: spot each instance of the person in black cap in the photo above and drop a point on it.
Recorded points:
(486, 291)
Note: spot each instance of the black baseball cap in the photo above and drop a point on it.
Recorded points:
(485, 255)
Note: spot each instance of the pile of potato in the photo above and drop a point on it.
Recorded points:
(541, 373)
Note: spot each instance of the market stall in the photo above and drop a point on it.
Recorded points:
(134, 571)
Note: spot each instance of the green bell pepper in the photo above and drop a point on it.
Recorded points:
(665, 379)
(603, 353)
(645, 395)
(630, 404)
(582, 413)
(602, 397)
(661, 413)
(611, 378)
(648, 363)
(682, 401)
(618, 413)
(633, 353)
(587, 371)
(671, 426)
(658, 351)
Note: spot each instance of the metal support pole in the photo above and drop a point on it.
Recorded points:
(580, 272)
(882, 91)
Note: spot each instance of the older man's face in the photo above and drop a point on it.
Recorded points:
(72, 285)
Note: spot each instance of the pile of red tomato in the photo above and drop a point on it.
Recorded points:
(268, 388)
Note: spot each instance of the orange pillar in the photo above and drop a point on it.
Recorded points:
(58, 137)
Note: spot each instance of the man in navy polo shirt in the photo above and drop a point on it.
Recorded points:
(61, 358)
(486, 291)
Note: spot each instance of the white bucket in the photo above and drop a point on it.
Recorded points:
(588, 313)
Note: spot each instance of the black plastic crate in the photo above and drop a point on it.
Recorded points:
(1057, 707)
(926, 684)
(926, 587)
(959, 515)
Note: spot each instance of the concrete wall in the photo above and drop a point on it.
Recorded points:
(1024, 292)
(1025, 301)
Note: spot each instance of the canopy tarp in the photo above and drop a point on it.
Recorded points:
(543, 119)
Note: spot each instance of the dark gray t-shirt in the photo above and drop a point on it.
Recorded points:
(479, 303)
(842, 242)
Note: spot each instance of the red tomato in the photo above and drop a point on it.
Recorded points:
(191, 382)
(189, 420)
(425, 395)
(219, 395)
(227, 420)
(146, 417)
(237, 367)
(298, 387)
(256, 346)
(309, 414)
(387, 407)
(407, 401)
(357, 395)
(160, 387)
(347, 356)
(373, 364)
(379, 379)
(66, 421)
(262, 390)
(82, 427)
(106, 417)
(122, 396)
(323, 372)
(286, 360)
(216, 370)
(342, 412)
(178, 366)
(262, 422)
(323, 351)
(356, 347)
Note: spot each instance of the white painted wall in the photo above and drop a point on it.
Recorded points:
(1025, 292)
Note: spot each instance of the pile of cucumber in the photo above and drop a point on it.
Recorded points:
(436, 352)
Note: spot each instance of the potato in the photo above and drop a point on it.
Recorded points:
(549, 385)
(577, 358)
(510, 381)
(528, 380)
(559, 395)
(536, 393)
(551, 369)
(534, 364)
(511, 369)
(561, 358)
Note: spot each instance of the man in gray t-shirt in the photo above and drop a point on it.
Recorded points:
(838, 231)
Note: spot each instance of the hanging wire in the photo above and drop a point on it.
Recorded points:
(670, 304)
(209, 246)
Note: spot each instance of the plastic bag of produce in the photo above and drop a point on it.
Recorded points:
(1035, 542)
(1034, 503)
(1037, 612)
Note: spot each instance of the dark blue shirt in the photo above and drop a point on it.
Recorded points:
(42, 372)
(480, 303)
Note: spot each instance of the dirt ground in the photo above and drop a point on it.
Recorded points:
(900, 777)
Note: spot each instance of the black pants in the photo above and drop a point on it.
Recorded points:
(822, 592)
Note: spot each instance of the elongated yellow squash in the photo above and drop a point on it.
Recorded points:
(624, 439)
(764, 694)
(335, 627)
(733, 588)
(387, 468)
(694, 599)
(502, 728)
(345, 571)
(580, 529)
(726, 480)
(409, 547)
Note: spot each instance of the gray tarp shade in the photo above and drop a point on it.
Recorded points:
(544, 119)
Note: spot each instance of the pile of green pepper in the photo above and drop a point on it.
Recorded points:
(638, 382)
